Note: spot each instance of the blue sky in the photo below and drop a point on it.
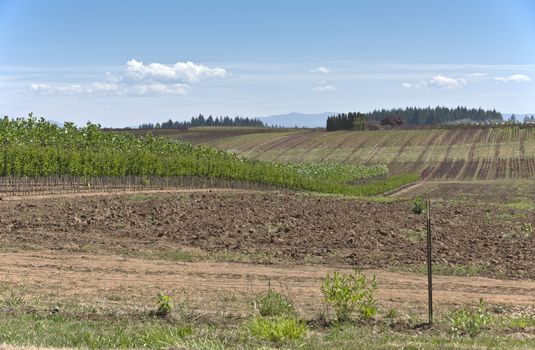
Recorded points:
(121, 63)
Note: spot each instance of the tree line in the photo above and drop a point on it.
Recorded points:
(201, 120)
(411, 116)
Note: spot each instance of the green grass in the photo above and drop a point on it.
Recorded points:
(197, 255)
(61, 331)
(142, 197)
(447, 270)
(84, 331)
(515, 322)
(524, 204)
(272, 303)
(415, 236)
(276, 329)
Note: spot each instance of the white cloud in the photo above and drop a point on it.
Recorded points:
(321, 69)
(139, 79)
(516, 78)
(180, 72)
(417, 85)
(324, 88)
(438, 81)
(109, 89)
(159, 89)
(48, 89)
(443, 82)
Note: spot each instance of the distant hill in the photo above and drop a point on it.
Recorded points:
(290, 120)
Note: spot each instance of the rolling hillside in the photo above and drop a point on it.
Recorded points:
(460, 154)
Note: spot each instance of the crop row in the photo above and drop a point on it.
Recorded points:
(37, 148)
(480, 169)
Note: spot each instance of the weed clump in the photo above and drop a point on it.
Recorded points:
(467, 321)
(272, 303)
(164, 305)
(349, 292)
(277, 329)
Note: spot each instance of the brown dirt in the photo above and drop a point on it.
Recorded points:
(206, 284)
(477, 192)
(274, 227)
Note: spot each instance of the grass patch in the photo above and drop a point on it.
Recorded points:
(469, 321)
(142, 197)
(84, 331)
(362, 337)
(524, 204)
(272, 303)
(276, 329)
(415, 236)
(171, 255)
(515, 322)
(446, 269)
(61, 331)
(184, 255)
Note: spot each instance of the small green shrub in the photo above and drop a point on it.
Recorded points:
(419, 206)
(164, 305)
(272, 303)
(277, 329)
(467, 321)
(349, 292)
(392, 316)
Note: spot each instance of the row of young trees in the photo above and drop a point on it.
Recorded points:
(37, 148)
(411, 116)
(202, 121)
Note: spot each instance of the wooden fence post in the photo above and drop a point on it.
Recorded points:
(429, 265)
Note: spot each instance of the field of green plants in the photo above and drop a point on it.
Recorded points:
(36, 148)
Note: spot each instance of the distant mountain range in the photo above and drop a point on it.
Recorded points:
(290, 120)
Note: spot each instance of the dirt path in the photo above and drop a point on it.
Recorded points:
(119, 192)
(100, 276)
(404, 189)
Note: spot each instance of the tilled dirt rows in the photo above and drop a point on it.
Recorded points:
(289, 228)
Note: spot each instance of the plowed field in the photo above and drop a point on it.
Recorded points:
(439, 154)
(274, 227)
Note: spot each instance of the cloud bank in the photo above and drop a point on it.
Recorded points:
(182, 72)
(324, 88)
(515, 78)
(438, 81)
(321, 69)
(443, 82)
(139, 79)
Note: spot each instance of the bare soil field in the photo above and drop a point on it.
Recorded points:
(100, 259)
(518, 193)
(213, 288)
(271, 227)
